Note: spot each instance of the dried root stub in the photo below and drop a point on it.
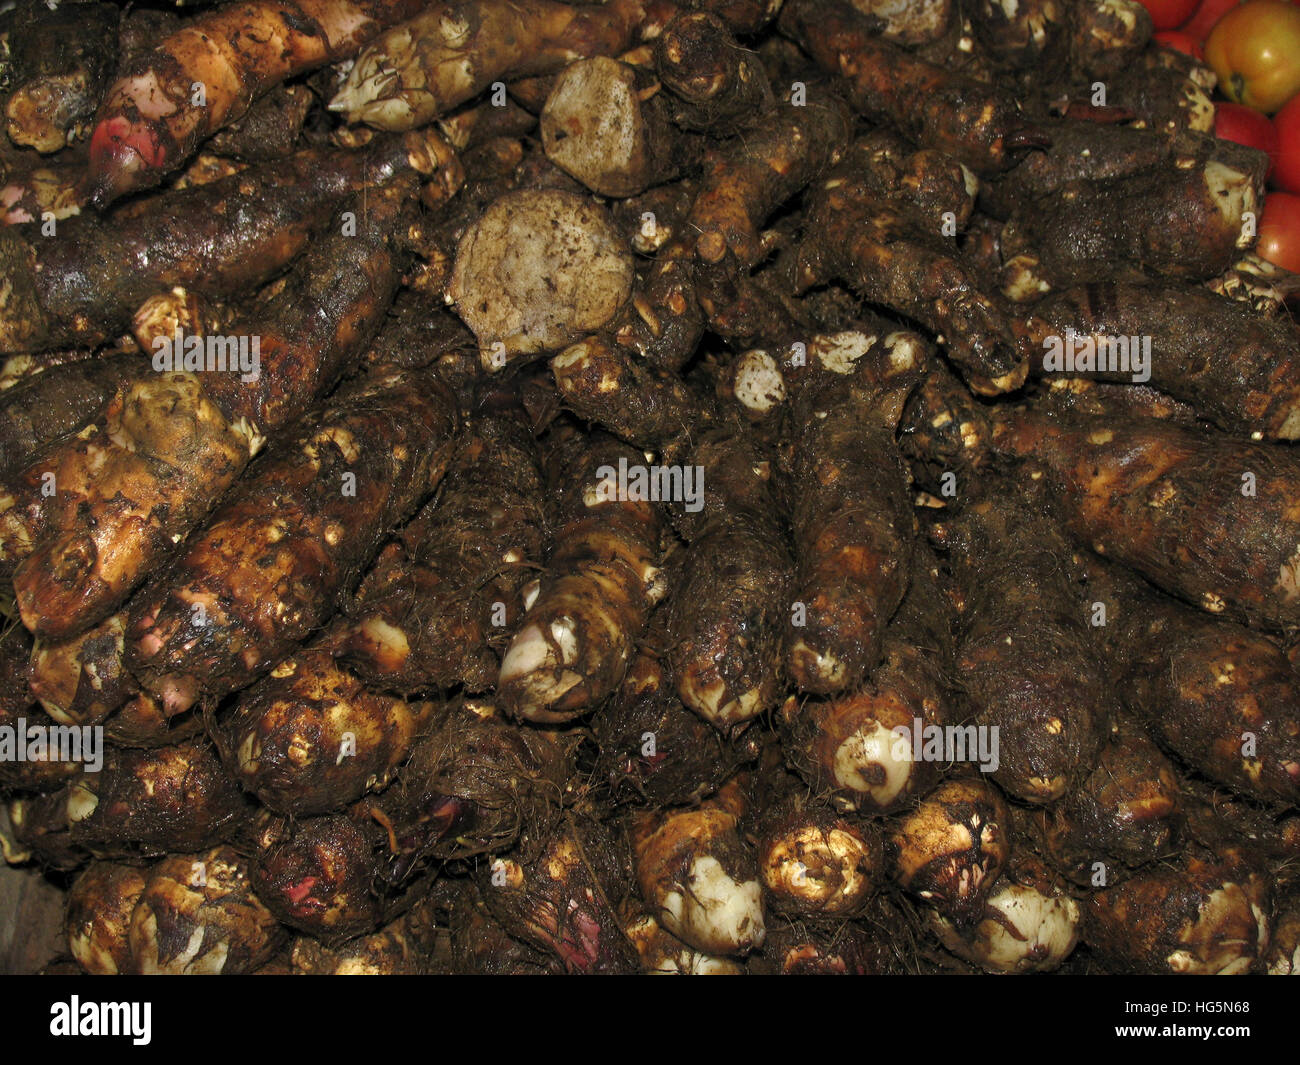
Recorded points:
(538, 270)
(1029, 925)
(597, 592)
(198, 914)
(436, 608)
(560, 891)
(952, 847)
(698, 877)
(816, 863)
(862, 747)
(1197, 917)
(312, 738)
(853, 530)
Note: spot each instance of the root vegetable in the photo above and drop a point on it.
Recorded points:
(1168, 502)
(311, 738)
(663, 954)
(596, 594)
(852, 529)
(849, 745)
(813, 950)
(952, 847)
(207, 74)
(82, 680)
(198, 914)
(719, 85)
(815, 863)
(100, 903)
(979, 125)
(698, 877)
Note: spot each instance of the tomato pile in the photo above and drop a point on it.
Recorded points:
(1254, 49)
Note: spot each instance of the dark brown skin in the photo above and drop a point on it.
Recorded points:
(59, 64)
(1026, 658)
(1164, 920)
(166, 800)
(100, 902)
(689, 759)
(150, 122)
(1165, 221)
(1033, 34)
(840, 746)
(472, 784)
(924, 185)
(427, 614)
(317, 874)
(480, 946)
(84, 679)
(57, 402)
(225, 238)
(719, 86)
(852, 529)
(888, 260)
(311, 738)
(729, 607)
(978, 125)
(745, 180)
(1102, 42)
(1126, 813)
(797, 948)
(559, 891)
(271, 128)
(18, 705)
(1167, 501)
(335, 488)
(1222, 698)
(1080, 151)
(1234, 366)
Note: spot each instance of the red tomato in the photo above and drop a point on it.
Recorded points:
(1207, 15)
(1233, 122)
(1181, 42)
(1255, 50)
(1286, 171)
(1279, 231)
(1166, 14)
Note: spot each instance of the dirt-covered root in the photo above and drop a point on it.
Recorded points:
(98, 916)
(317, 874)
(472, 785)
(950, 849)
(604, 383)
(1195, 917)
(1284, 948)
(277, 557)
(178, 798)
(440, 602)
(1125, 814)
(607, 124)
(817, 863)
(852, 528)
(1029, 924)
(799, 948)
(1106, 36)
(1203, 516)
(424, 67)
(596, 594)
(1024, 34)
(311, 738)
(400, 948)
(978, 124)
(198, 914)
(539, 269)
(560, 893)
(698, 876)
(653, 749)
(80, 681)
(719, 86)
(126, 489)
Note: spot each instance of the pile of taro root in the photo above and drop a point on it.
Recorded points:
(696, 486)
